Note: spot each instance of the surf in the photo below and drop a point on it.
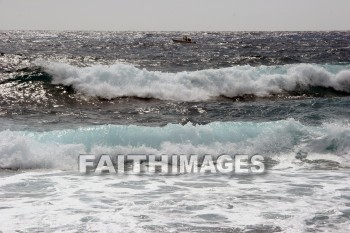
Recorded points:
(123, 80)
(289, 142)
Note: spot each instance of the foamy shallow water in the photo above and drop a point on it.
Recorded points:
(278, 201)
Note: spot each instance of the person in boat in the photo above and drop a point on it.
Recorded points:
(184, 38)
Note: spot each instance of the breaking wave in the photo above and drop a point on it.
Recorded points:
(121, 80)
(288, 141)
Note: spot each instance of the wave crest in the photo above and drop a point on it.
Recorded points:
(121, 80)
(288, 141)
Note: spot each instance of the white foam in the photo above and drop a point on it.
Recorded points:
(279, 200)
(281, 140)
(122, 80)
(21, 152)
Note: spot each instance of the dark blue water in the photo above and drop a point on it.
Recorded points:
(35, 91)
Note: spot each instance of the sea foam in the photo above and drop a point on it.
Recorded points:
(122, 80)
(283, 140)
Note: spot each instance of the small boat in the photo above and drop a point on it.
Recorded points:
(185, 40)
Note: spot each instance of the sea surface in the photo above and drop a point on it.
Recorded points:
(282, 95)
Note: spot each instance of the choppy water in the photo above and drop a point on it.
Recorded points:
(284, 95)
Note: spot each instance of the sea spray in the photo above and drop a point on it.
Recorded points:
(279, 139)
(122, 80)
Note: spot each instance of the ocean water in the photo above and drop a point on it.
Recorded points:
(282, 95)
